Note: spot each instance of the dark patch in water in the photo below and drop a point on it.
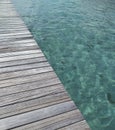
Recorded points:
(110, 98)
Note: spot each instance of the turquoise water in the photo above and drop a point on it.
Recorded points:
(78, 39)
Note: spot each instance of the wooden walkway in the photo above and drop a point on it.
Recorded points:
(31, 95)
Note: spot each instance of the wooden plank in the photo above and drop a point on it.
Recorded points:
(77, 126)
(5, 1)
(14, 49)
(17, 18)
(21, 37)
(23, 67)
(8, 15)
(12, 30)
(24, 73)
(4, 11)
(33, 104)
(15, 24)
(8, 31)
(55, 122)
(26, 79)
(26, 61)
(10, 20)
(49, 81)
(30, 94)
(5, 19)
(20, 53)
(36, 115)
(19, 41)
(12, 44)
(13, 27)
(19, 57)
(14, 34)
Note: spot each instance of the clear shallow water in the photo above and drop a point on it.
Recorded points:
(78, 38)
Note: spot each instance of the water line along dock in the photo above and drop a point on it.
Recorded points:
(31, 95)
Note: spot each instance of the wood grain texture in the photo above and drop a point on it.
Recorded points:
(31, 95)
(24, 61)
(54, 123)
(36, 115)
(77, 126)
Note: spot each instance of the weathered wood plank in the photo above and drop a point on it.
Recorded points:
(3, 45)
(33, 104)
(23, 67)
(20, 37)
(20, 53)
(5, 19)
(5, 1)
(15, 24)
(14, 36)
(3, 31)
(24, 61)
(36, 115)
(19, 57)
(23, 41)
(13, 27)
(49, 81)
(26, 79)
(14, 49)
(54, 123)
(30, 94)
(10, 19)
(23, 73)
(77, 126)
(11, 35)
(18, 20)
